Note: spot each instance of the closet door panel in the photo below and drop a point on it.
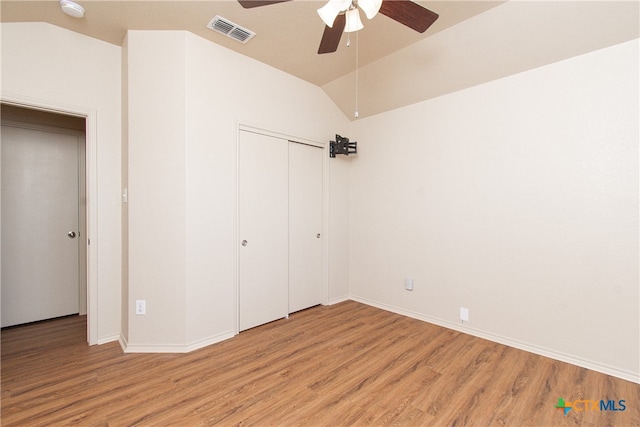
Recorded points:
(263, 229)
(305, 226)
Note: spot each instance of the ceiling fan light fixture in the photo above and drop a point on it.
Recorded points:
(370, 7)
(353, 21)
(332, 9)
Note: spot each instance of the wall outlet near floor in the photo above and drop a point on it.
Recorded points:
(408, 284)
(141, 306)
(464, 314)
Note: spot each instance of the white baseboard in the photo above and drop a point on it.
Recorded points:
(108, 339)
(123, 342)
(337, 300)
(173, 348)
(594, 366)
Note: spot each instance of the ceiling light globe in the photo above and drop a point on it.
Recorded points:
(370, 7)
(329, 11)
(353, 21)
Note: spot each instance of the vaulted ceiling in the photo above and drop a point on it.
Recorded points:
(472, 42)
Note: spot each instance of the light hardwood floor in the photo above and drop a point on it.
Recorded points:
(346, 364)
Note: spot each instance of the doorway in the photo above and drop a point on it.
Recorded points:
(44, 227)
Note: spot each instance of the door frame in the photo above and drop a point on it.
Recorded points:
(91, 192)
(325, 210)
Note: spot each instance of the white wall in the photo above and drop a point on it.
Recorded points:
(157, 141)
(124, 294)
(517, 199)
(223, 90)
(182, 171)
(339, 218)
(43, 65)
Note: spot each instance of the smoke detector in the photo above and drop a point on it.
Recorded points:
(72, 8)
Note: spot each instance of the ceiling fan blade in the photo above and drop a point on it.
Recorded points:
(248, 4)
(331, 36)
(409, 13)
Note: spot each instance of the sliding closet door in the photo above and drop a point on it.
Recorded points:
(263, 229)
(305, 226)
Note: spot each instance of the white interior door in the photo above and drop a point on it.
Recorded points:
(39, 210)
(305, 226)
(263, 229)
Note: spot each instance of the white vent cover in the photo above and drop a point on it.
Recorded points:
(230, 29)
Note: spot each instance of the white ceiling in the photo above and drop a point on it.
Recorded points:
(472, 42)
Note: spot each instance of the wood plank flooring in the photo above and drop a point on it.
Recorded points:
(346, 364)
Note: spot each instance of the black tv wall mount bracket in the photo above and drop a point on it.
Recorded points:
(342, 146)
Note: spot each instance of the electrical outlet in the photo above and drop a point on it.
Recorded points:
(408, 284)
(464, 314)
(141, 306)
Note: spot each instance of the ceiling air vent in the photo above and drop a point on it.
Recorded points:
(230, 29)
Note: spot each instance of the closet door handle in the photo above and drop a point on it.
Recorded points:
(244, 243)
(318, 235)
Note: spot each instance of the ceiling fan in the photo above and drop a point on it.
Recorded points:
(343, 15)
